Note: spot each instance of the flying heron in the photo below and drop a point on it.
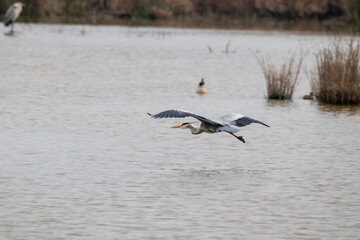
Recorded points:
(208, 125)
(12, 14)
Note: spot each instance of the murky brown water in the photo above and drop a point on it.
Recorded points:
(81, 159)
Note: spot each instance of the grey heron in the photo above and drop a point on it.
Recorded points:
(12, 14)
(210, 126)
(201, 88)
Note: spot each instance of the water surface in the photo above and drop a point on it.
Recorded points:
(81, 159)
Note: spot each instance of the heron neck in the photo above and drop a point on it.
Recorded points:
(194, 129)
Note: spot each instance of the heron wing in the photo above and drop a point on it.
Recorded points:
(9, 15)
(227, 128)
(177, 113)
(239, 120)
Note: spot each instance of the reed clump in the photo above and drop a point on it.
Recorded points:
(336, 77)
(281, 82)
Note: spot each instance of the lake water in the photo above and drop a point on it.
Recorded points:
(81, 159)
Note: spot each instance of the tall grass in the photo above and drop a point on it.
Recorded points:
(336, 78)
(281, 82)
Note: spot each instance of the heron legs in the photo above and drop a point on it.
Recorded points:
(11, 32)
(238, 137)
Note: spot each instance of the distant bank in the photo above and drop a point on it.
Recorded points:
(301, 15)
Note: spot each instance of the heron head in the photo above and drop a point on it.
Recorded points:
(183, 125)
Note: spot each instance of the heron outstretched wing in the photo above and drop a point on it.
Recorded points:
(177, 113)
(239, 120)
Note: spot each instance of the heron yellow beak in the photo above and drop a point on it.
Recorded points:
(178, 126)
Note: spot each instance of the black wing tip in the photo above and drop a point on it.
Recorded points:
(150, 114)
(262, 123)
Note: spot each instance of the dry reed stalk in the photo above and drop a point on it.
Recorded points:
(336, 78)
(281, 83)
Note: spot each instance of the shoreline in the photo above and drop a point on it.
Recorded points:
(332, 26)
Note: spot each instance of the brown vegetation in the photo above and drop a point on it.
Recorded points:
(336, 79)
(281, 83)
(237, 13)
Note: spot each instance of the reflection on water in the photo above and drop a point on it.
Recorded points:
(339, 109)
(80, 158)
(281, 103)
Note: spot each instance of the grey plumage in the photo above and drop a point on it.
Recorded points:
(208, 125)
(182, 114)
(239, 120)
(9, 15)
(12, 14)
